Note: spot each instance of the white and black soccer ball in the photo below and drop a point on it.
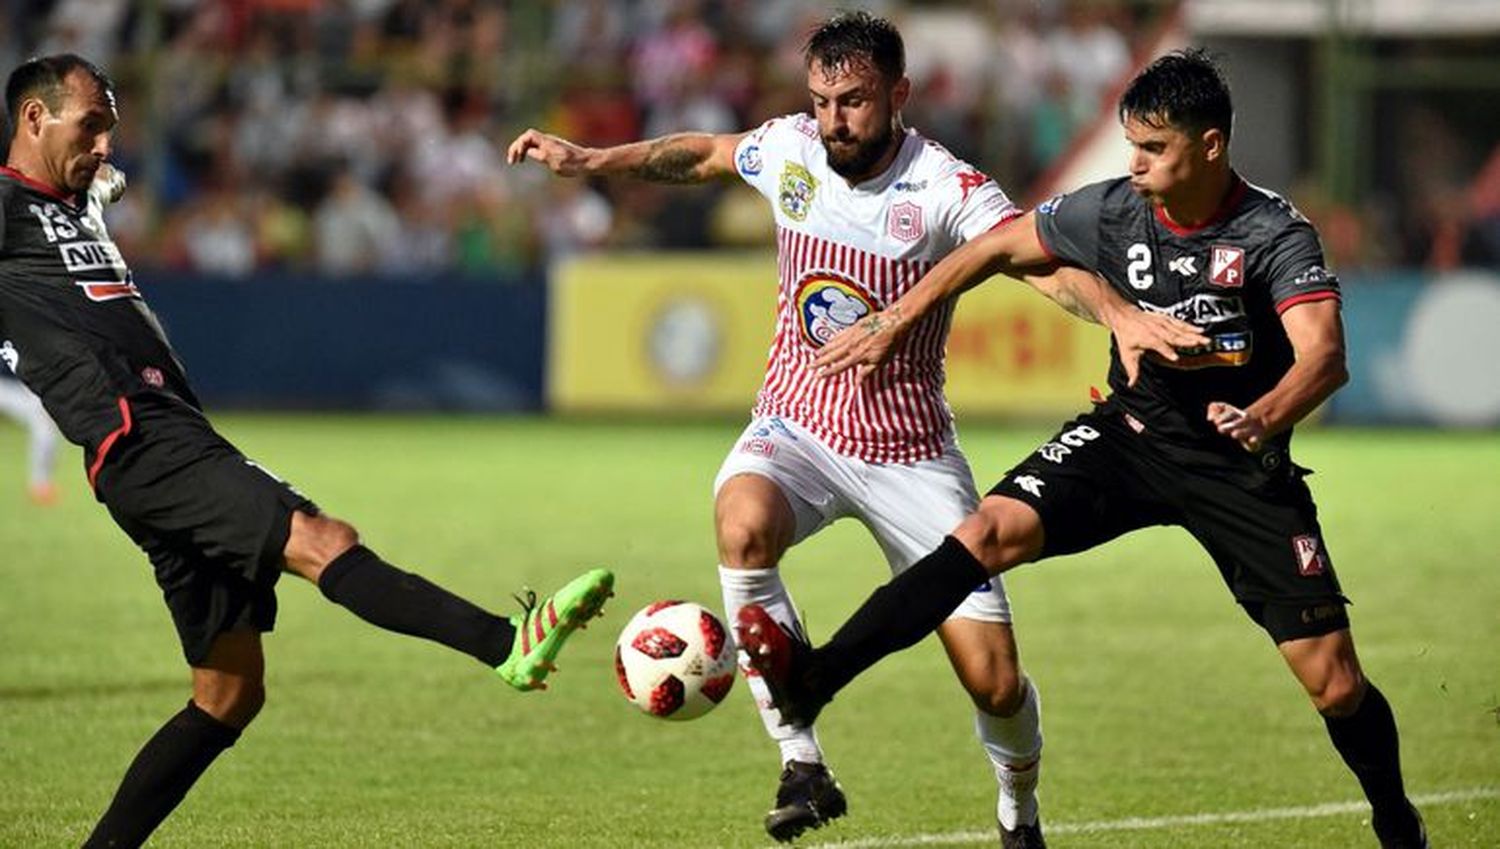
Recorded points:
(675, 660)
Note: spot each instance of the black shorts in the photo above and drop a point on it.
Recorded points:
(213, 524)
(1098, 478)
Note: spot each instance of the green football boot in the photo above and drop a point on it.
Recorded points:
(543, 627)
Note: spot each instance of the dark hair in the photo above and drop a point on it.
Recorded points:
(853, 37)
(1184, 90)
(42, 77)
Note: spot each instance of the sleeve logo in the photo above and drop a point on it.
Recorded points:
(968, 181)
(749, 160)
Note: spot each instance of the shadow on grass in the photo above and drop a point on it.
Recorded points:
(49, 692)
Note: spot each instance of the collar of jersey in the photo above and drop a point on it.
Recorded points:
(1236, 193)
(36, 186)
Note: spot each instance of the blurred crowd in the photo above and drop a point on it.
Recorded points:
(356, 138)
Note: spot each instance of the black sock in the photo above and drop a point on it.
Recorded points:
(383, 595)
(160, 776)
(1368, 742)
(897, 615)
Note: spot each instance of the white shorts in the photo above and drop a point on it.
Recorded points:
(908, 507)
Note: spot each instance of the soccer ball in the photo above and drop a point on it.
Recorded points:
(675, 660)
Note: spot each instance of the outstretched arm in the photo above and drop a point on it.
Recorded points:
(1317, 337)
(1016, 250)
(677, 158)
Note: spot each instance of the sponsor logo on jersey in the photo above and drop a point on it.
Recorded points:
(968, 181)
(798, 186)
(749, 160)
(1185, 265)
(1202, 309)
(90, 256)
(807, 126)
(905, 222)
(759, 446)
(909, 186)
(10, 356)
(1310, 560)
(774, 426)
(827, 304)
(1315, 275)
(1223, 349)
(1050, 205)
(1227, 266)
(108, 290)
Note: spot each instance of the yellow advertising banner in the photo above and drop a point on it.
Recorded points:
(660, 332)
(689, 333)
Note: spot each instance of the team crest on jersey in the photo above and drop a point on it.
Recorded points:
(108, 290)
(798, 186)
(905, 222)
(1227, 266)
(827, 304)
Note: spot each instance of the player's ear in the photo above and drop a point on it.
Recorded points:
(1215, 145)
(900, 92)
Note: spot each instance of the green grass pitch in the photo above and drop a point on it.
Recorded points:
(1160, 699)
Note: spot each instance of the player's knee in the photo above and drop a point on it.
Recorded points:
(1002, 695)
(233, 700)
(315, 541)
(1340, 694)
(745, 542)
(1002, 533)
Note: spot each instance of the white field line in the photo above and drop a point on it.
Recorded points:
(1327, 809)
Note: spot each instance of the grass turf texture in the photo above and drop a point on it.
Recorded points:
(1160, 698)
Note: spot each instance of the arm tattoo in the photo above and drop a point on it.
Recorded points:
(873, 325)
(669, 162)
(1066, 296)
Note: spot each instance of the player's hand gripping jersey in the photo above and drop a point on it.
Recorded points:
(1233, 276)
(72, 323)
(845, 252)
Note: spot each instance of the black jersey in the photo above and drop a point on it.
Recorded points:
(73, 325)
(1233, 277)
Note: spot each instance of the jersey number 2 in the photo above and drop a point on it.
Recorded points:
(1138, 269)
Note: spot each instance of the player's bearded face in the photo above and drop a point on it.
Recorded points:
(855, 107)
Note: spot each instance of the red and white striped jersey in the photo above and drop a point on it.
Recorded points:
(844, 252)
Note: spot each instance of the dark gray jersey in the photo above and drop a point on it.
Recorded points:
(72, 323)
(1233, 277)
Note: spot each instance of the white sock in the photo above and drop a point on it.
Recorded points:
(764, 587)
(1014, 746)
